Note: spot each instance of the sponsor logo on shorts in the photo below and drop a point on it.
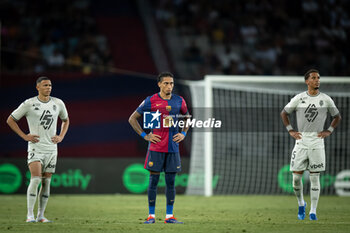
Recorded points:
(51, 166)
(315, 166)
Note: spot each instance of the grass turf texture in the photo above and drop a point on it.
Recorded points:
(126, 213)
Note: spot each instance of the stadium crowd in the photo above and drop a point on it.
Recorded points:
(39, 36)
(268, 37)
(260, 37)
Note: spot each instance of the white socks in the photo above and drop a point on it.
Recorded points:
(298, 188)
(32, 193)
(43, 196)
(314, 191)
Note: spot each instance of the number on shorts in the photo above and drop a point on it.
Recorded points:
(293, 154)
(31, 155)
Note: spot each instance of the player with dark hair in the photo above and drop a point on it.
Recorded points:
(41, 112)
(163, 151)
(311, 109)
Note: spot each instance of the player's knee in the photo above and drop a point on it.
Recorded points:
(47, 175)
(297, 179)
(33, 185)
(35, 180)
(46, 186)
(315, 181)
(170, 179)
(153, 181)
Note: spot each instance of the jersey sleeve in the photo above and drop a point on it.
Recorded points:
(63, 114)
(183, 109)
(145, 106)
(21, 111)
(332, 109)
(291, 106)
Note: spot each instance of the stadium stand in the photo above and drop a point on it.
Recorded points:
(249, 37)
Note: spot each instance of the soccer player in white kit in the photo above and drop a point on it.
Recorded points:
(311, 109)
(41, 112)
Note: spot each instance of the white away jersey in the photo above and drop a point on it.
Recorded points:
(311, 114)
(42, 120)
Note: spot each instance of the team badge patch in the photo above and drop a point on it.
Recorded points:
(321, 102)
(54, 107)
(168, 108)
(168, 122)
(150, 164)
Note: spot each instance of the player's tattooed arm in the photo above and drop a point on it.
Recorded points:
(286, 122)
(133, 121)
(154, 138)
(64, 128)
(180, 136)
(334, 124)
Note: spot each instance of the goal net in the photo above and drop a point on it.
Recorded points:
(250, 153)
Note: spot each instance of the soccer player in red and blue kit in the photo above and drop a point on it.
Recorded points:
(163, 150)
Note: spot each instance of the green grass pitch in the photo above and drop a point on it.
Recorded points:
(125, 213)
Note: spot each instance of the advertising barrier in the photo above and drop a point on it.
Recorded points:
(117, 175)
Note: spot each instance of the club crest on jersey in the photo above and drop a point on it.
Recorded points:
(168, 122)
(168, 108)
(150, 164)
(54, 108)
(321, 103)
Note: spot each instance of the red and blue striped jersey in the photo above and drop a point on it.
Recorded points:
(173, 107)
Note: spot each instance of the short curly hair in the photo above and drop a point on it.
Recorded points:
(307, 74)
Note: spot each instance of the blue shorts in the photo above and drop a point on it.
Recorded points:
(161, 161)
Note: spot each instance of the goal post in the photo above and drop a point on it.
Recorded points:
(250, 154)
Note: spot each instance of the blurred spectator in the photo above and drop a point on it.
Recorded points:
(39, 36)
(193, 53)
(269, 36)
(228, 56)
(56, 59)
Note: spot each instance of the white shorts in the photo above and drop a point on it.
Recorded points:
(48, 160)
(303, 159)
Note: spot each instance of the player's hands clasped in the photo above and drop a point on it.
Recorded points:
(178, 137)
(324, 134)
(32, 138)
(154, 138)
(56, 139)
(295, 134)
